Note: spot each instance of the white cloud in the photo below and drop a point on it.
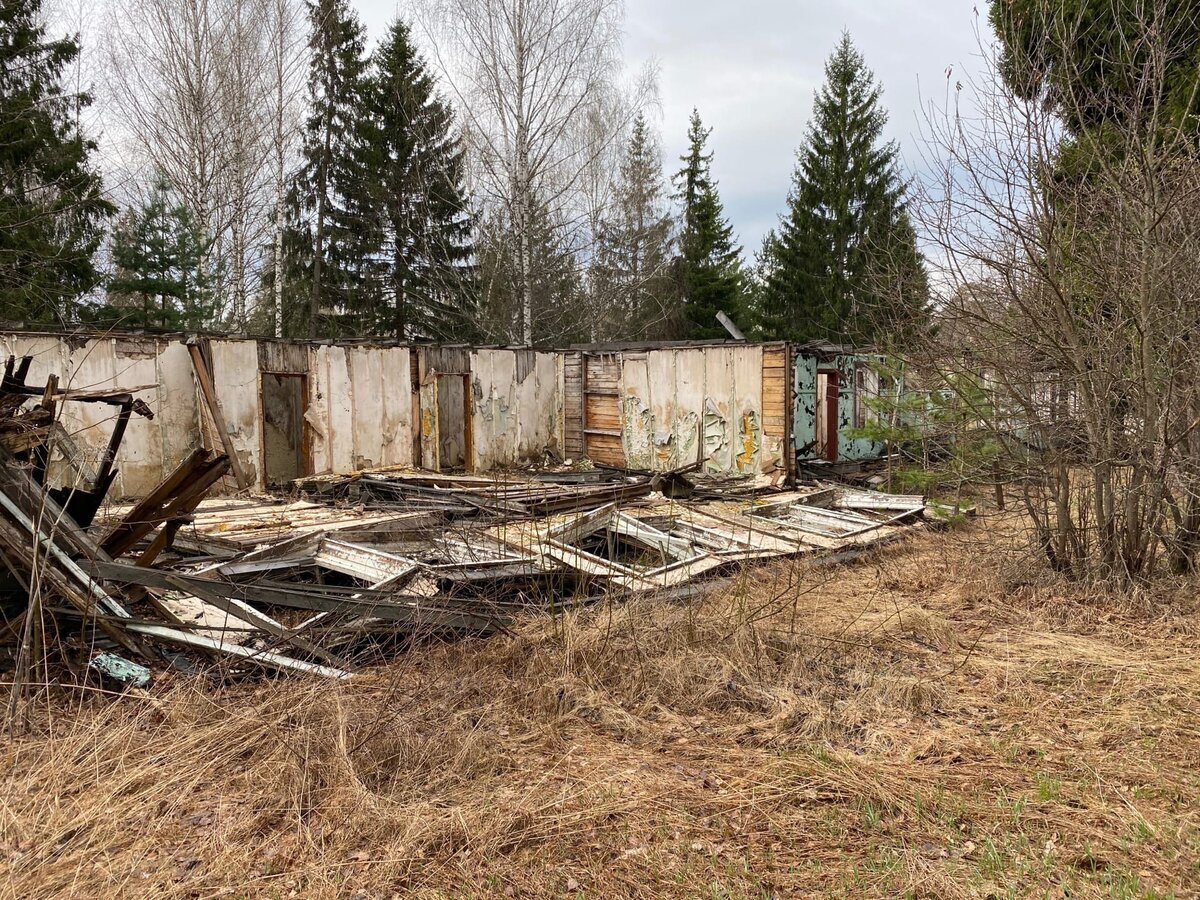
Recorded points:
(751, 67)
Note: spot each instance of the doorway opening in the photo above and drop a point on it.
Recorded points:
(284, 403)
(828, 385)
(453, 422)
(445, 417)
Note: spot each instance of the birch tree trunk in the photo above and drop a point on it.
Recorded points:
(192, 83)
(525, 74)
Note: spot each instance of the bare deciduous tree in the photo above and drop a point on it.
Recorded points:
(535, 81)
(204, 90)
(1070, 272)
(286, 67)
(164, 85)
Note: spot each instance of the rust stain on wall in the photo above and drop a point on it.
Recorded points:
(664, 449)
(749, 436)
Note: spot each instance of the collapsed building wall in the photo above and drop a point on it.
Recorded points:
(835, 393)
(724, 407)
(371, 406)
(160, 366)
(292, 409)
(360, 413)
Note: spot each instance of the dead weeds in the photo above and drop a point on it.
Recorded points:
(908, 725)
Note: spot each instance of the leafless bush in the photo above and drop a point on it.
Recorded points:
(1069, 264)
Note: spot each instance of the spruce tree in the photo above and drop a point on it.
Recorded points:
(52, 210)
(559, 315)
(323, 243)
(844, 264)
(709, 264)
(632, 270)
(414, 215)
(160, 255)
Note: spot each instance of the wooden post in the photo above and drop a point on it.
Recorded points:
(214, 407)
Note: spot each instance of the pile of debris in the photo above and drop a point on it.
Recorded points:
(361, 564)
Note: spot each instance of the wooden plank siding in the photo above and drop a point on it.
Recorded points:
(777, 400)
(776, 390)
(283, 357)
(573, 444)
(601, 409)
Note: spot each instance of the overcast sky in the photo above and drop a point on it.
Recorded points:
(751, 67)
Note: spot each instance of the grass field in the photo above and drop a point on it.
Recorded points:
(922, 723)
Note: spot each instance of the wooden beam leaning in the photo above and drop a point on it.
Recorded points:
(17, 544)
(178, 495)
(148, 509)
(214, 407)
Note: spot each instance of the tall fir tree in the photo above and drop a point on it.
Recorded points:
(709, 263)
(555, 291)
(632, 270)
(415, 219)
(160, 258)
(323, 244)
(844, 264)
(52, 209)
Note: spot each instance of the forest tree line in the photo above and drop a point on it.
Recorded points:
(485, 171)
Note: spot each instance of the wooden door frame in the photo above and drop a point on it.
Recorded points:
(587, 392)
(427, 399)
(832, 410)
(468, 417)
(306, 439)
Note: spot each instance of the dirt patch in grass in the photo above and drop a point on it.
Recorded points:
(919, 723)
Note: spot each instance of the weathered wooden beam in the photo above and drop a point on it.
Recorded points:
(56, 569)
(149, 508)
(248, 613)
(186, 498)
(410, 610)
(265, 658)
(214, 407)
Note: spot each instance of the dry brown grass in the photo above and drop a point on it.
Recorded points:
(907, 725)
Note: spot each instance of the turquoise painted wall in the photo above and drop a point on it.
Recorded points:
(805, 414)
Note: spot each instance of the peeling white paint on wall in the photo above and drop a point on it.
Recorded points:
(681, 406)
(359, 408)
(517, 403)
(101, 363)
(236, 382)
(676, 406)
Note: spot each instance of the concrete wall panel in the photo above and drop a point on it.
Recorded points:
(748, 410)
(396, 424)
(236, 382)
(339, 403)
(516, 407)
(538, 401)
(680, 406)
(151, 447)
